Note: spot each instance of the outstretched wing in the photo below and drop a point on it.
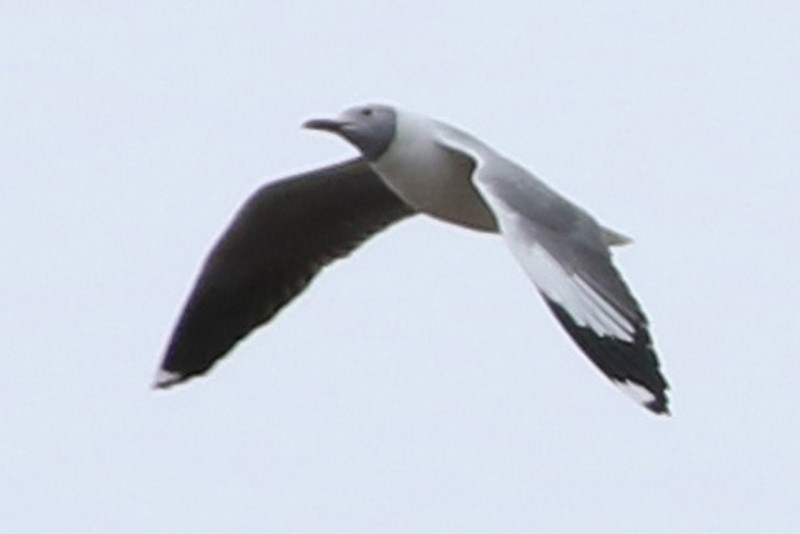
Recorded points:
(565, 253)
(280, 239)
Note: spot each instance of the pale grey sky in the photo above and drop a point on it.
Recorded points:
(421, 386)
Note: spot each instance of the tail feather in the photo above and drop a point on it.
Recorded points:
(615, 239)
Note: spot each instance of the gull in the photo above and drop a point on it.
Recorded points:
(409, 163)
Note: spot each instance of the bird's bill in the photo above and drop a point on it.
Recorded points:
(326, 125)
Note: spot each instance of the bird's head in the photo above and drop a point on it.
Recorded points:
(370, 128)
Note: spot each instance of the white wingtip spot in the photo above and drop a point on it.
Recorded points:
(165, 379)
(638, 393)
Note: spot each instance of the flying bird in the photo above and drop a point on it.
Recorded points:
(290, 229)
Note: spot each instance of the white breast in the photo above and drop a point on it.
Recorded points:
(430, 177)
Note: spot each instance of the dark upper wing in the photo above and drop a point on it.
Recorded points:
(280, 239)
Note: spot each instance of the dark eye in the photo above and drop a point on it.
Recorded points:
(366, 112)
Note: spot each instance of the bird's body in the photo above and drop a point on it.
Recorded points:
(431, 178)
(415, 164)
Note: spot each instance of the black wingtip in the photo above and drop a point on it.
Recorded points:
(658, 408)
(631, 365)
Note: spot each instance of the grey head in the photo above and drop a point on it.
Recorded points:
(371, 128)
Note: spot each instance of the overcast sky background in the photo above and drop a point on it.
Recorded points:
(420, 386)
